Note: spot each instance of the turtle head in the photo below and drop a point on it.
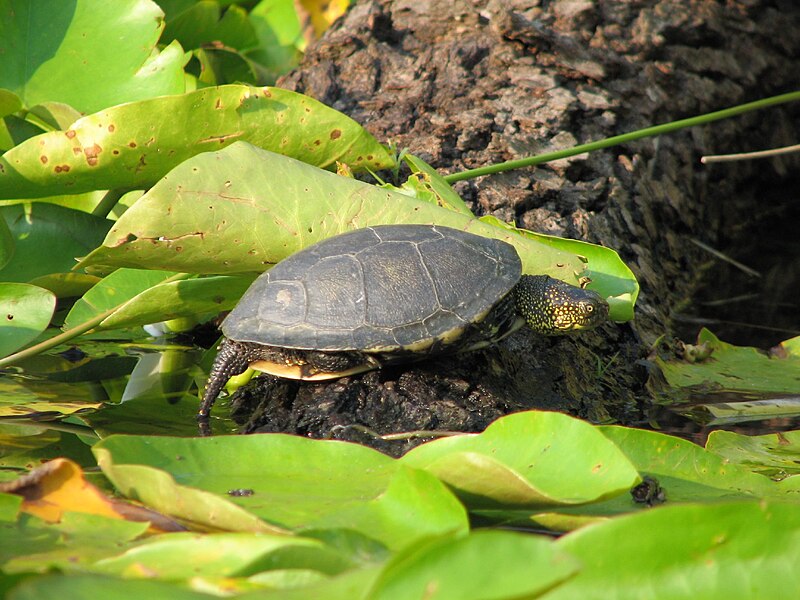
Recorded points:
(552, 307)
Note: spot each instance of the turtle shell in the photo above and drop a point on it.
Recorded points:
(377, 289)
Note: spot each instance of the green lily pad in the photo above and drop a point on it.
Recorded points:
(484, 565)
(140, 297)
(55, 50)
(739, 550)
(25, 312)
(530, 459)
(185, 555)
(689, 473)
(91, 587)
(291, 482)
(31, 545)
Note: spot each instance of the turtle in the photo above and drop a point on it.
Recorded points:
(388, 294)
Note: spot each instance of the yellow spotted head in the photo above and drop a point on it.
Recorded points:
(552, 307)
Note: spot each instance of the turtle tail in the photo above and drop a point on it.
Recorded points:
(232, 359)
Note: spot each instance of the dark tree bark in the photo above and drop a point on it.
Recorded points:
(466, 84)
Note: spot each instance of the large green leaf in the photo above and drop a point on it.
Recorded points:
(32, 545)
(528, 459)
(187, 555)
(6, 243)
(279, 34)
(92, 587)
(727, 551)
(144, 297)
(48, 238)
(244, 208)
(133, 145)
(189, 298)
(25, 312)
(87, 54)
(689, 473)
(119, 287)
(485, 565)
(198, 23)
(292, 482)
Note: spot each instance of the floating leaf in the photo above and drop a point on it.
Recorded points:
(528, 459)
(6, 243)
(280, 37)
(133, 145)
(733, 368)
(774, 454)
(170, 300)
(58, 486)
(25, 312)
(54, 50)
(291, 482)
(79, 539)
(26, 446)
(91, 587)
(116, 289)
(481, 566)
(187, 555)
(688, 472)
(740, 550)
(159, 490)
(198, 23)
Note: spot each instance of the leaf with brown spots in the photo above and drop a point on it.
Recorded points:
(133, 145)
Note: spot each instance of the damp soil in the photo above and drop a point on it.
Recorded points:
(467, 84)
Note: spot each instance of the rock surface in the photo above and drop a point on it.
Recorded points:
(465, 84)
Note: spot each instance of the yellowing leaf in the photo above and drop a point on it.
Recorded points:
(59, 486)
(321, 13)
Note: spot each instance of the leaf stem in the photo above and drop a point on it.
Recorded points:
(108, 202)
(624, 138)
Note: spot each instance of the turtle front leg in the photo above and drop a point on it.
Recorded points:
(232, 359)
